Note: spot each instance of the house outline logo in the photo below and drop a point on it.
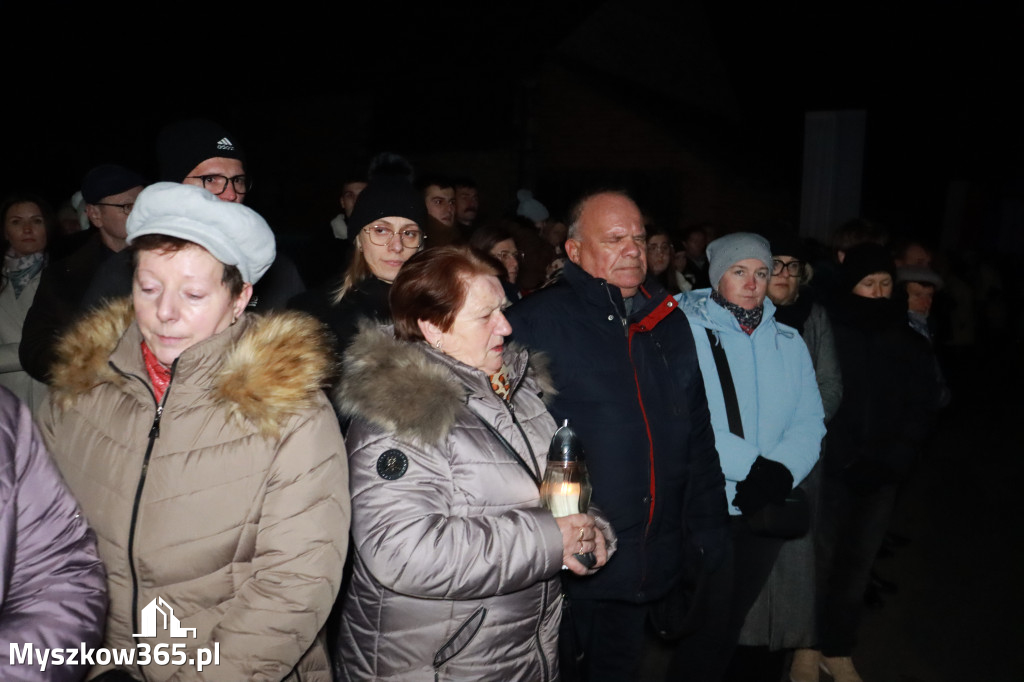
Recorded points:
(160, 610)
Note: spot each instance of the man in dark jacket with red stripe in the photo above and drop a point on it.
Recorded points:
(624, 363)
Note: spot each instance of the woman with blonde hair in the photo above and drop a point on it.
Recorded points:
(388, 219)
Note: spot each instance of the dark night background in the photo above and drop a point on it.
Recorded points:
(312, 91)
(697, 106)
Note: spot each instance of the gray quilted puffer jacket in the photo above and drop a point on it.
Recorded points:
(456, 570)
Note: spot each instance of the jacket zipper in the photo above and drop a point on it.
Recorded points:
(532, 456)
(154, 433)
(546, 675)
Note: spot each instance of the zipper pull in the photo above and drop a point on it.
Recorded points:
(154, 431)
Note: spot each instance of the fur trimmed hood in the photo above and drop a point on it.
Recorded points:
(265, 370)
(414, 391)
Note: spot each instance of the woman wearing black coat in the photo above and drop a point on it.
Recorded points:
(871, 444)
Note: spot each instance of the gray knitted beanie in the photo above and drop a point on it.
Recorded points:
(732, 248)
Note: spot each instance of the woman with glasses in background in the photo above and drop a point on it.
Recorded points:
(389, 215)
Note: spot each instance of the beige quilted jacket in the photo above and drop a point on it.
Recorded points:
(232, 506)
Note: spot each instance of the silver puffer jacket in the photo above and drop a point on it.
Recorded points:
(456, 570)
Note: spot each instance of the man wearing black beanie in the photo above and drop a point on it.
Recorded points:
(200, 152)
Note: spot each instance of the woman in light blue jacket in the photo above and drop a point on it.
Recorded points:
(776, 439)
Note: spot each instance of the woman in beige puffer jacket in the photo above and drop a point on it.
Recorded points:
(204, 454)
(230, 505)
(228, 500)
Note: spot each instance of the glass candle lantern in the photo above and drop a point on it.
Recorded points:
(566, 488)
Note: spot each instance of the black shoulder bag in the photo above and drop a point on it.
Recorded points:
(789, 519)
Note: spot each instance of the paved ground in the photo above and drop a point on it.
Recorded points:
(959, 613)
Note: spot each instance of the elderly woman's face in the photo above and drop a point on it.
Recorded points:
(745, 283)
(477, 336)
(180, 300)
(387, 243)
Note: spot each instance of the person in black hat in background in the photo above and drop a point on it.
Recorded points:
(386, 226)
(872, 442)
(202, 153)
(109, 192)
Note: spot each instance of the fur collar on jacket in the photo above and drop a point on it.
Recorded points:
(411, 390)
(274, 368)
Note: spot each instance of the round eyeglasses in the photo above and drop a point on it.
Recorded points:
(410, 238)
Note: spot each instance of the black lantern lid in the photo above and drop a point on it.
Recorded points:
(565, 446)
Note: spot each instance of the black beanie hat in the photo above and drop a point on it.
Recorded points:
(182, 146)
(863, 260)
(389, 192)
(108, 179)
(788, 244)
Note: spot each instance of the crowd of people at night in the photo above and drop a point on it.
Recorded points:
(330, 463)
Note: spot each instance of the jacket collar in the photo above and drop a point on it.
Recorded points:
(262, 370)
(702, 310)
(599, 293)
(415, 391)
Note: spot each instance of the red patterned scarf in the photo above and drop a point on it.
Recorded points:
(159, 375)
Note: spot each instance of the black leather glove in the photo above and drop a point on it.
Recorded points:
(768, 482)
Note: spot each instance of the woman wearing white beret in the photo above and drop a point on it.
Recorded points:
(204, 452)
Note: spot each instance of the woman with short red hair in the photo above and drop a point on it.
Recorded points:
(456, 567)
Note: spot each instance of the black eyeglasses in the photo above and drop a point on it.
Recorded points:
(125, 208)
(216, 184)
(795, 268)
(382, 236)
